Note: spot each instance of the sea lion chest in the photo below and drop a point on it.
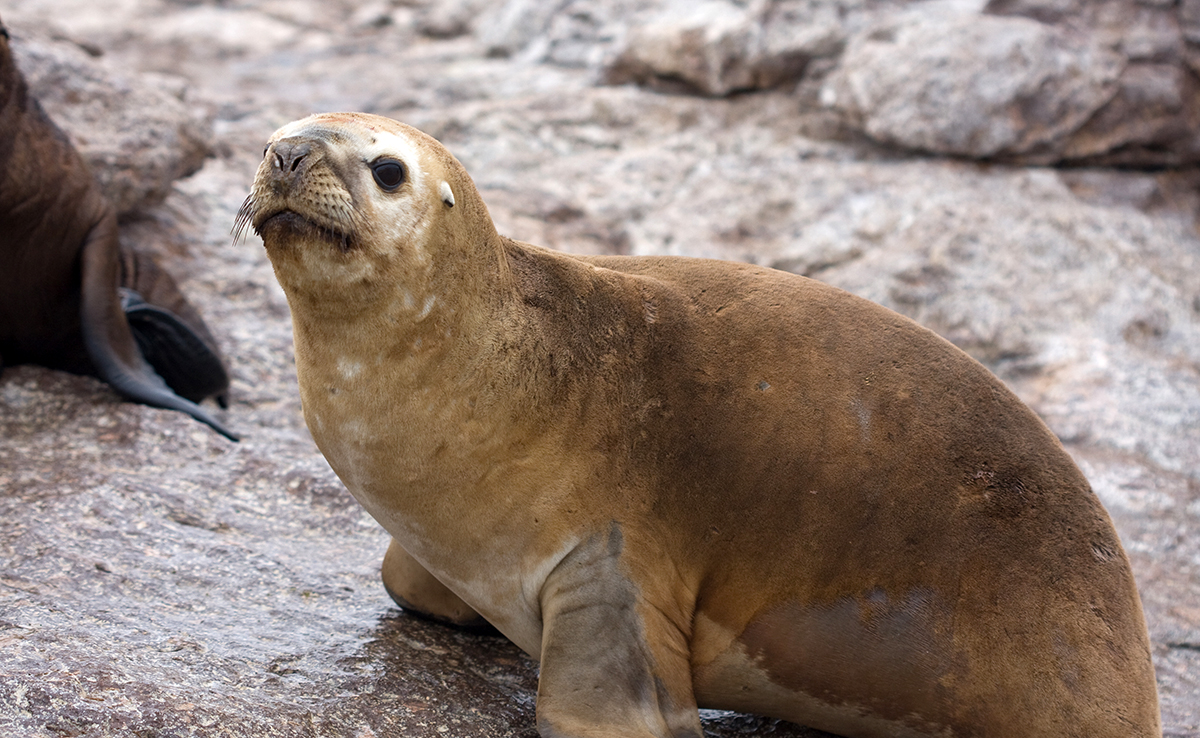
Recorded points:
(465, 491)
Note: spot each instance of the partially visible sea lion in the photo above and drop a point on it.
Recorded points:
(71, 297)
(683, 482)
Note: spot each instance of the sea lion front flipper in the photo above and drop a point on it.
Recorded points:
(610, 664)
(413, 588)
(106, 334)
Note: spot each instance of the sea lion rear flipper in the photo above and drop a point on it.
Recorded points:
(169, 331)
(611, 664)
(178, 354)
(108, 338)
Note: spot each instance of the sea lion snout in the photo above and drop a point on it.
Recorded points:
(299, 189)
(288, 154)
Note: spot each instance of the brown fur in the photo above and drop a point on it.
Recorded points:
(683, 482)
(61, 265)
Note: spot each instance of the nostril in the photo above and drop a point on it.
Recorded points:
(289, 155)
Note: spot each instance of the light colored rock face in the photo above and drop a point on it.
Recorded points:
(713, 45)
(136, 132)
(717, 48)
(159, 580)
(972, 85)
(1109, 82)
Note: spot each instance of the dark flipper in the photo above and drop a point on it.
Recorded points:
(181, 357)
(107, 335)
(183, 339)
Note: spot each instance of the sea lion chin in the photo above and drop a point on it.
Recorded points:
(682, 482)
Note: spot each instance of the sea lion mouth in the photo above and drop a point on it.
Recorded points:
(285, 224)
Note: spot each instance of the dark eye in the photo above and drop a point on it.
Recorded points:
(389, 174)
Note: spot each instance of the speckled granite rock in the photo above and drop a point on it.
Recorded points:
(158, 580)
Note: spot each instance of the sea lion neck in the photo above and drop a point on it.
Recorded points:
(397, 309)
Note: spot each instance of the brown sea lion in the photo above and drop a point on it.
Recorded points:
(683, 482)
(71, 297)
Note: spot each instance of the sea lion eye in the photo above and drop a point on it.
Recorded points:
(389, 174)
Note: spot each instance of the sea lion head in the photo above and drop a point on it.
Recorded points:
(356, 208)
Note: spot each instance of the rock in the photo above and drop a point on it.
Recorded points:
(138, 133)
(717, 48)
(1152, 120)
(1189, 19)
(449, 19)
(513, 25)
(970, 85)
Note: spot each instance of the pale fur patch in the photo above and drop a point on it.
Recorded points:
(404, 220)
(348, 368)
(429, 301)
(447, 193)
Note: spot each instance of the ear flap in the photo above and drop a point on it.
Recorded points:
(447, 193)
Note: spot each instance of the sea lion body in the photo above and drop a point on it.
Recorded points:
(681, 482)
(61, 267)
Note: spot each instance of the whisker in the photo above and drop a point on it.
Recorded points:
(244, 215)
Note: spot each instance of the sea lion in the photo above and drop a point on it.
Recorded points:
(71, 297)
(683, 482)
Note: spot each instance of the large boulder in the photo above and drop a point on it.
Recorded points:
(1034, 81)
(972, 85)
(717, 48)
(138, 132)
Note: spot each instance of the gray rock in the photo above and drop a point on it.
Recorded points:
(1151, 121)
(1154, 119)
(1189, 19)
(450, 18)
(718, 47)
(510, 27)
(971, 85)
(138, 133)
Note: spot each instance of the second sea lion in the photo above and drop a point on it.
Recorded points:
(63, 273)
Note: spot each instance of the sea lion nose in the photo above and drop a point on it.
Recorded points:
(289, 154)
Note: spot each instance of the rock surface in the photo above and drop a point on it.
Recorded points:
(158, 580)
(136, 132)
(718, 48)
(972, 85)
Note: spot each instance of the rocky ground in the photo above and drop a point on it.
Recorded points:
(1017, 175)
